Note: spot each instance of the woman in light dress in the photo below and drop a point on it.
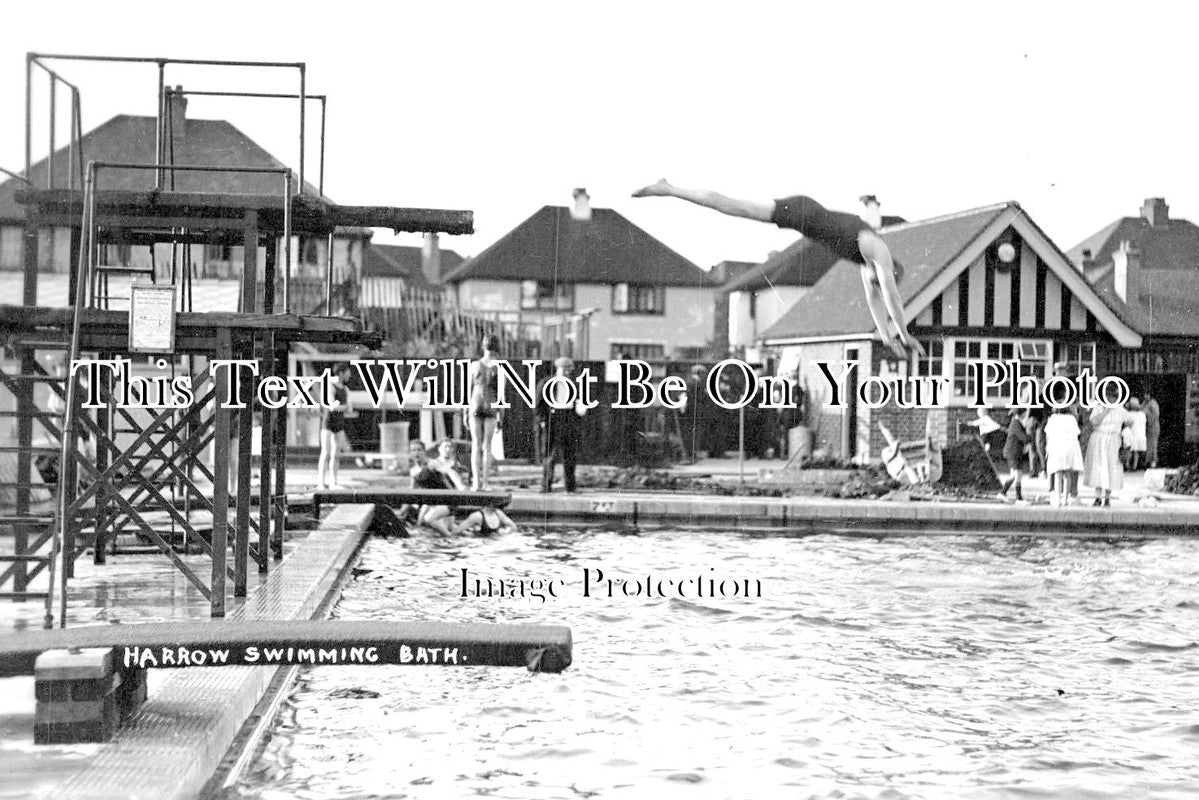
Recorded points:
(1102, 469)
(1063, 454)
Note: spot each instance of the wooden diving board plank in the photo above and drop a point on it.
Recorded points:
(398, 497)
(540, 648)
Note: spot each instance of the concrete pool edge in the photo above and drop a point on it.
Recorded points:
(179, 739)
(853, 516)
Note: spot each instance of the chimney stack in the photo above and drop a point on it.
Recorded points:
(1156, 212)
(1127, 260)
(176, 112)
(430, 261)
(874, 214)
(1088, 259)
(582, 208)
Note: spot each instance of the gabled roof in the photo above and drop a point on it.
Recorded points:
(1173, 246)
(923, 248)
(1165, 301)
(130, 139)
(934, 253)
(552, 245)
(399, 261)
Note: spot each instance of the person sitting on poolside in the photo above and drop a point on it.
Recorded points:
(443, 468)
(486, 522)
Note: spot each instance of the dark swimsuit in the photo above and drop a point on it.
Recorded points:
(335, 419)
(486, 529)
(835, 230)
(483, 393)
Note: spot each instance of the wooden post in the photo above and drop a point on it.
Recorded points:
(249, 274)
(245, 432)
(266, 450)
(105, 424)
(268, 276)
(25, 462)
(220, 477)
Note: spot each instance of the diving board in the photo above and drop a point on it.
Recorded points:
(431, 497)
(540, 648)
(88, 680)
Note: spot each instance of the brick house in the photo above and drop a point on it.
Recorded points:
(599, 286)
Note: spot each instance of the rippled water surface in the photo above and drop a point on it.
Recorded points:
(900, 667)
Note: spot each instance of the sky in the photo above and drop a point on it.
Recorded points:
(1078, 111)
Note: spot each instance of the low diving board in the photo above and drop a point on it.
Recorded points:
(540, 648)
(89, 680)
(416, 497)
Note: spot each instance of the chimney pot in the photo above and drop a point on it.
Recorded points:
(431, 258)
(1155, 211)
(874, 214)
(582, 207)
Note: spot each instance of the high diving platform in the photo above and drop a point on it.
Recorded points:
(118, 471)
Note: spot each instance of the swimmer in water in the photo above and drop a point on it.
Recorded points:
(847, 235)
(486, 522)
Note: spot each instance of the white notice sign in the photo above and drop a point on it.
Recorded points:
(151, 318)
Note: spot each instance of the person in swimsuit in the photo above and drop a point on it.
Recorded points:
(486, 522)
(847, 235)
(333, 422)
(482, 416)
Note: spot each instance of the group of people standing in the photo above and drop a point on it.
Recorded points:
(1050, 441)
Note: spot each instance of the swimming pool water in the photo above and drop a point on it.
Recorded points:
(930, 667)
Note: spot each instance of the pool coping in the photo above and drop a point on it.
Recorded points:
(865, 517)
(178, 739)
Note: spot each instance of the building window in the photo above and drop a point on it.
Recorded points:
(116, 255)
(631, 298)
(933, 362)
(12, 247)
(1077, 357)
(951, 358)
(218, 252)
(310, 251)
(547, 296)
(644, 352)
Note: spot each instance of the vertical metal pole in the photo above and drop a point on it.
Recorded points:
(159, 126)
(50, 159)
(287, 242)
(28, 114)
(78, 131)
(71, 139)
(321, 185)
(300, 188)
(329, 277)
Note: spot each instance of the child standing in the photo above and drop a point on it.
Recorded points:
(1063, 454)
(1015, 452)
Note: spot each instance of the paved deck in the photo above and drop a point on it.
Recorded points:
(175, 742)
